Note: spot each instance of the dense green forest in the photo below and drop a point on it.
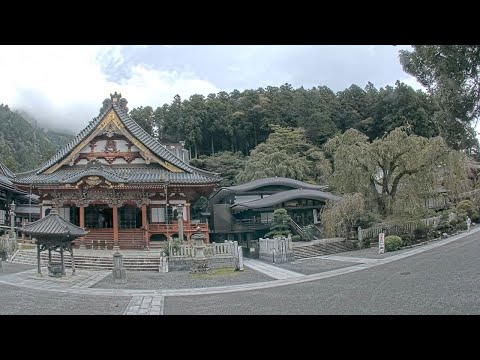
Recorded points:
(239, 121)
(222, 129)
(23, 145)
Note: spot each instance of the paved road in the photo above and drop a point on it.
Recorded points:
(444, 280)
(441, 280)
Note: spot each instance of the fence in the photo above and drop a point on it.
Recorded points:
(276, 249)
(209, 250)
(372, 233)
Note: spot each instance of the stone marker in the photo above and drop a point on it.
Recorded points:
(118, 272)
(163, 268)
(240, 258)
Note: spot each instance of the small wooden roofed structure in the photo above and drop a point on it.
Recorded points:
(53, 233)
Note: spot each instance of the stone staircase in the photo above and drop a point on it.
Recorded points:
(91, 261)
(308, 251)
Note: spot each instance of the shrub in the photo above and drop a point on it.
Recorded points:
(408, 239)
(466, 206)
(296, 238)
(462, 225)
(475, 216)
(444, 228)
(393, 243)
(421, 231)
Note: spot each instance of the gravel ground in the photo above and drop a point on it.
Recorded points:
(181, 280)
(314, 266)
(14, 268)
(21, 301)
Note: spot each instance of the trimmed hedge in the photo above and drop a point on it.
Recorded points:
(393, 243)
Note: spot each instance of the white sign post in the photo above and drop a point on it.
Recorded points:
(381, 243)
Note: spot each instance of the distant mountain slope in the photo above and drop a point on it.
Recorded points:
(23, 145)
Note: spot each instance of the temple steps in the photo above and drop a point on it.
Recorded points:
(303, 252)
(149, 262)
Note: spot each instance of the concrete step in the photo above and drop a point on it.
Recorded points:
(303, 252)
(133, 263)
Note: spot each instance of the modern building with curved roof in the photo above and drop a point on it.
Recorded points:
(244, 212)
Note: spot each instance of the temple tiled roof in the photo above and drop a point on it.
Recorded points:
(284, 196)
(117, 175)
(6, 171)
(191, 174)
(53, 224)
(6, 177)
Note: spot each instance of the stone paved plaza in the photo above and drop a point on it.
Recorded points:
(94, 292)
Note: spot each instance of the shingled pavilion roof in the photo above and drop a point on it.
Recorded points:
(53, 224)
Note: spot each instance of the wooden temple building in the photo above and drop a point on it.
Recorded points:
(120, 184)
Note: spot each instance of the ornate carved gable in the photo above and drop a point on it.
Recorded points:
(112, 130)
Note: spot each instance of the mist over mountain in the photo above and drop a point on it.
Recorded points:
(26, 143)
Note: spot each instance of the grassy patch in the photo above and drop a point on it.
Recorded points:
(216, 273)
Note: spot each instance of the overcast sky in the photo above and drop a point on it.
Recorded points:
(64, 86)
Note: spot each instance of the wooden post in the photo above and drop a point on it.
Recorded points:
(115, 228)
(144, 223)
(61, 259)
(82, 225)
(72, 259)
(187, 207)
(39, 272)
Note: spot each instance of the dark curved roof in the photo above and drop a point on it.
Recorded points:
(134, 129)
(120, 174)
(6, 177)
(6, 171)
(283, 196)
(270, 181)
(53, 224)
(95, 169)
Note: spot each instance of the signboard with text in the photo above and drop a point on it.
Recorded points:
(381, 243)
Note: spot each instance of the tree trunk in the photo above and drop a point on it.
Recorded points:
(213, 149)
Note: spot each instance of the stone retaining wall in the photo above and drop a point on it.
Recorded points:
(186, 264)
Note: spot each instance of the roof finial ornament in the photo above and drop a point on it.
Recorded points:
(121, 102)
(115, 97)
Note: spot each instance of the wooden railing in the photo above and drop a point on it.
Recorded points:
(250, 224)
(210, 250)
(173, 228)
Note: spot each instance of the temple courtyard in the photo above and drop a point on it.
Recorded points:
(327, 284)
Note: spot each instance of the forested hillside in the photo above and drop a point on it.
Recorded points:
(23, 145)
(239, 121)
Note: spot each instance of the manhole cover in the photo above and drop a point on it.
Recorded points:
(405, 273)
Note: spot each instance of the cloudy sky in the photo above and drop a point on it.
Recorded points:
(64, 86)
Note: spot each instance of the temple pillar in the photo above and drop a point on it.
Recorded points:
(82, 225)
(115, 228)
(39, 271)
(144, 223)
(187, 207)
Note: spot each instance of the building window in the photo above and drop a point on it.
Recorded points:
(2, 216)
(266, 218)
(158, 215)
